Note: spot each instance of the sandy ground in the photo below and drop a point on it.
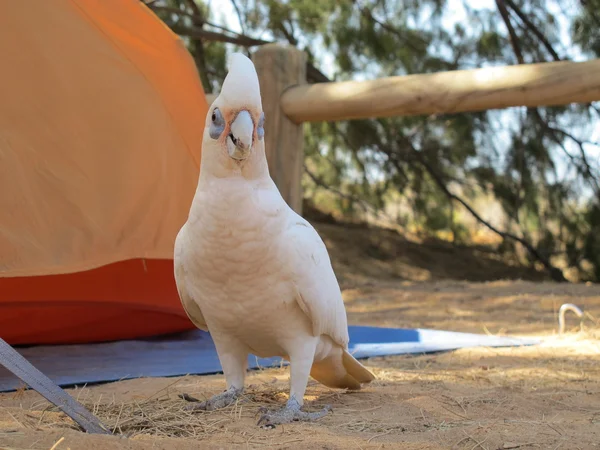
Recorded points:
(545, 397)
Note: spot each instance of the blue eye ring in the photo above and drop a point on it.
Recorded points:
(217, 125)
(260, 129)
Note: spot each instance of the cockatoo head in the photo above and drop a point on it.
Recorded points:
(234, 129)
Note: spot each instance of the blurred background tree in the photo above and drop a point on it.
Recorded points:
(525, 180)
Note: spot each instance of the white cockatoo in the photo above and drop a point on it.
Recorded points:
(251, 271)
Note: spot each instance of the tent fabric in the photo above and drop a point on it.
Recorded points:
(101, 125)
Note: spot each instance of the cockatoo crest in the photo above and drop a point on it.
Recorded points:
(241, 88)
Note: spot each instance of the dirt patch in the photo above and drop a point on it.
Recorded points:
(544, 397)
(498, 307)
(360, 254)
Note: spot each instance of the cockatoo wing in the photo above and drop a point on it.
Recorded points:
(318, 293)
(190, 307)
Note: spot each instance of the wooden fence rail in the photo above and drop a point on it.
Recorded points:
(546, 84)
(288, 101)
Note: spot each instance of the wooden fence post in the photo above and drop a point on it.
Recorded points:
(278, 68)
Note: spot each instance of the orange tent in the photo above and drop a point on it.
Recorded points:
(101, 124)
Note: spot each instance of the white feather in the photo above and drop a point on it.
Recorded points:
(319, 294)
(241, 87)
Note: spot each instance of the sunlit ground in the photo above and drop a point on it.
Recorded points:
(545, 396)
(500, 308)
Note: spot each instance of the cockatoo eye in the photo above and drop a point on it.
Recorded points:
(217, 124)
(260, 129)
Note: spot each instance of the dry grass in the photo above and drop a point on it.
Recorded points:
(165, 414)
(541, 397)
(530, 397)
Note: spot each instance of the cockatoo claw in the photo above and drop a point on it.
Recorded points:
(291, 413)
(218, 401)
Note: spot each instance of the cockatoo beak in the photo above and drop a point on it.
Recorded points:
(239, 141)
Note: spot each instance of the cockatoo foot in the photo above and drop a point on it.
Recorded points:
(216, 402)
(291, 413)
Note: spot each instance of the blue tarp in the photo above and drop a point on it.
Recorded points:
(194, 353)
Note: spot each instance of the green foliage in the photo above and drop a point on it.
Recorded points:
(535, 163)
(586, 27)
